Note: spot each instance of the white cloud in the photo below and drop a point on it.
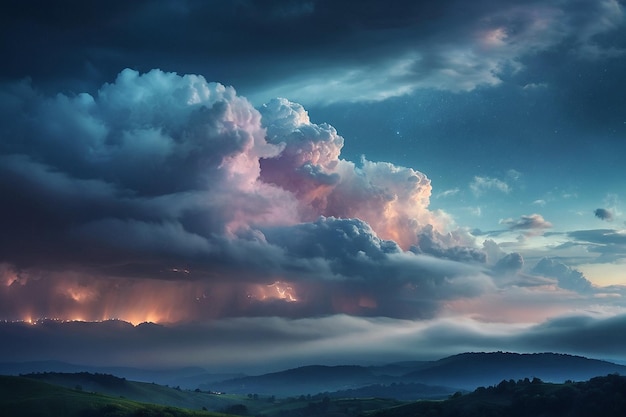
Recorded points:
(480, 185)
(448, 193)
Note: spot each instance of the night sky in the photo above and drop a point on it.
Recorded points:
(274, 183)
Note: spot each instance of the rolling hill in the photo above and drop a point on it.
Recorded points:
(402, 380)
(25, 397)
(466, 371)
(139, 391)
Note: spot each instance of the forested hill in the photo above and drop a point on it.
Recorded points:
(600, 396)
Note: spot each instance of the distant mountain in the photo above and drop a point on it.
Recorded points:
(16, 368)
(465, 371)
(471, 370)
(398, 368)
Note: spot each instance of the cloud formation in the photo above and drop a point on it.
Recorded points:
(373, 53)
(153, 196)
(568, 278)
(159, 173)
(223, 345)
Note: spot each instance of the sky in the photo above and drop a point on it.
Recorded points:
(252, 185)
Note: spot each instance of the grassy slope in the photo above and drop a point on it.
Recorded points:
(142, 391)
(20, 396)
(158, 394)
(26, 397)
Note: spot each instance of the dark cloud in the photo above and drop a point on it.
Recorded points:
(600, 337)
(527, 222)
(223, 345)
(415, 45)
(603, 214)
(609, 243)
(600, 236)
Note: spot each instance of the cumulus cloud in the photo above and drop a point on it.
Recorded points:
(393, 200)
(493, 251)
(568, 278)
(455, 246)
(603, 214)
(510, 263)
(157, 173)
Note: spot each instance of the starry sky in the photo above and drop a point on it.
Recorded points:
(258, 184)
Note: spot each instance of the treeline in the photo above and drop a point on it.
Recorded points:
(399, 391)
(105, 380)
(601, 396)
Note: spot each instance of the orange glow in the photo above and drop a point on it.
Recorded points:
(278, 290)
(367, 302)
(512, 306)
(73, 296)
(150, 301)
(494, 38)
(8, 275)
(283, 291)
(80, 294)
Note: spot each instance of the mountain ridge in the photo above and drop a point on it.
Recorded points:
(473, 369)
(464, 372)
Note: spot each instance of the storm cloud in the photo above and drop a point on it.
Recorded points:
(402, 45)
(160, 173)
(295, 212)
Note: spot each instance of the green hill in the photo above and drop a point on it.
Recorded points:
(26, 397)
(140, 391)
